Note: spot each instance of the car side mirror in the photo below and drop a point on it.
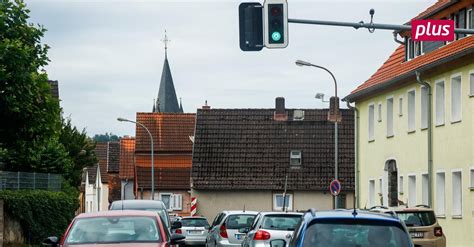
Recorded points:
(51, 241)
(177, 238)
(278, 243)
(176, 225)
(244, 230)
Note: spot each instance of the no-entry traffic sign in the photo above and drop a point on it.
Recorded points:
(335, 187)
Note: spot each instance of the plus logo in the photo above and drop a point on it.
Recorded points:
(432, 30)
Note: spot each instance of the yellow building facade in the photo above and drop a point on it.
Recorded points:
(396, 131)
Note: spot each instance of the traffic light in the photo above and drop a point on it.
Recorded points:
(276, 23)
(250, 27)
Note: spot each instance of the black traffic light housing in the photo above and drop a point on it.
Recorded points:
(250, 26)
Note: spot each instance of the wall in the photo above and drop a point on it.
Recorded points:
(127, 190)
(452, 150)
(210, 203)
(186, 199)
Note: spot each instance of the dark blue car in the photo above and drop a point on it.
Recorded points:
(349, 228)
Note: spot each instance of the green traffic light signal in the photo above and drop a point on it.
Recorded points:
(276, 36)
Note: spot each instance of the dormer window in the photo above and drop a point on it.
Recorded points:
(295, 158)
(413, 49)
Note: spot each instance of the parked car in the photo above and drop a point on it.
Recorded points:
(116, 228)
(195, 230)
(147, 205)
(337, 228)
(224, 230)
(423, 226)
(269, 226)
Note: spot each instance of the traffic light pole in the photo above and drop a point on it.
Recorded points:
(369, 26)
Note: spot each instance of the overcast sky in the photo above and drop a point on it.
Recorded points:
(108, 56)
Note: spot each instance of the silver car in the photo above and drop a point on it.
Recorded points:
(194, 229)
(269, 226)
(224, 231)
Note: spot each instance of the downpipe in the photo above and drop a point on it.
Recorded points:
(357, 172)
(430, 138)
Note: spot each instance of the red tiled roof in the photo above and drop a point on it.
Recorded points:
(165, 178)
(170, 132)
(127, 158)
(101, 153)
(434, 8)
(395, 66)
(144, 160)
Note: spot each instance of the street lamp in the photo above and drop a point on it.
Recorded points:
(152, 157)
(336, 119)
(321, 97)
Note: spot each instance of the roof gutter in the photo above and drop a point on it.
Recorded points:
(382, 86)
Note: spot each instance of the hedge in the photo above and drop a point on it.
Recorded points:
(41, 213)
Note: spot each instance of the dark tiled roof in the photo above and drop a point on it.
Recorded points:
(127, 158)
(247, 149)
(165, 177)
(167, 101)
(54, 88)
(101, 153)
(170, 132)
(113, 157)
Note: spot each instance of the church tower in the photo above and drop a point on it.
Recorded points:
(167, 102)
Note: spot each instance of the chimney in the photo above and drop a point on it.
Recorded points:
(280, 112)
(205, 106)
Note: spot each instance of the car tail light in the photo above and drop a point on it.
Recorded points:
(261, 235)
(178, 231)
(223, 231)
(438, 231)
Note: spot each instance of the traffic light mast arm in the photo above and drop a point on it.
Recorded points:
(361, 24)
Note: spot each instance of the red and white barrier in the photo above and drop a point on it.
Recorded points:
(193, 206)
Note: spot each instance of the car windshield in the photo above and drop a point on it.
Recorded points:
(420, 218)
(238, 221)
(123, 229)
(367, 233)
(194, 222)
(280, 222)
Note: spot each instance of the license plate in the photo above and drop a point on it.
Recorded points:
(417, 234)
(194, 232)
(239, 236)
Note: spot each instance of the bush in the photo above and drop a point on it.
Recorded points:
(40, 213)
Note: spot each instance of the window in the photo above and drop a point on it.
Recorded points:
(172, 201)
(411, 111)
(456, 99)
(400, 106)
(424, 189)
(440, 194)
(417, 48)
(390, 117)
(471, 184)
(371, 193)
(295, 158)
(379, 116)
(471, 83)
(424, 107)
(400, 185)
(440, 105)
(278, 202)
(371, 122)
(457, 194)
(411, 190)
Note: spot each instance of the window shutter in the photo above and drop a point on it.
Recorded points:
(178, 202)
(172, 199)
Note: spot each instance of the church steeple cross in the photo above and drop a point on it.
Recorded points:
(166, 41)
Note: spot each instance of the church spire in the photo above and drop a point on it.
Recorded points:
(167, 100)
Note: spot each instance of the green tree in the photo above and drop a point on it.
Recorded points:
(80, 149)
(105, 137)
(30, 117)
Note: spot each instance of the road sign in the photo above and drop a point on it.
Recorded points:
(335, 187)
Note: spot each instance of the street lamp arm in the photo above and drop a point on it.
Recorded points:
(332, 75)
